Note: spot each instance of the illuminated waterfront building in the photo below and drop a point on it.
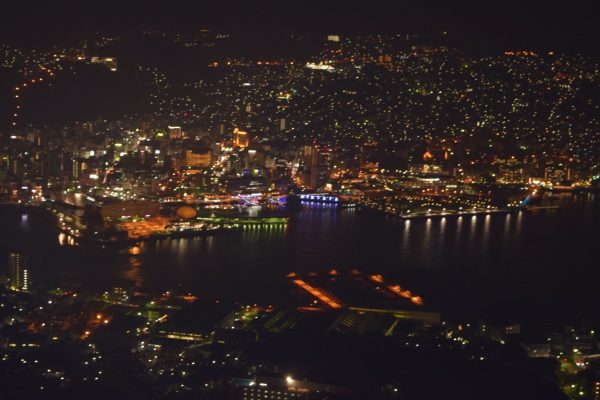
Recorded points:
(18, 272)
(129, 208)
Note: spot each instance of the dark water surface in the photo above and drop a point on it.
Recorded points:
(525, 266)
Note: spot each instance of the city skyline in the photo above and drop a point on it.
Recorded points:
(299, 200)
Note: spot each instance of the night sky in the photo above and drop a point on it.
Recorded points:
(475, 25)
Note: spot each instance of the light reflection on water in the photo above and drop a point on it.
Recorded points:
(485, 236)
(459, 222)
(442, 226)
(507, 219)
(473, 228)
(406, 236)
(133, 274)
(453, 261)
(519, 223)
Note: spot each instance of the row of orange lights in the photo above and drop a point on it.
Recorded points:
(25, 85)
(398, 290)
(318, 294)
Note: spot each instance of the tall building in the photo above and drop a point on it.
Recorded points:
(76, 169)
(240, 139)
(18, 272)
(316, 168)
(311, 156)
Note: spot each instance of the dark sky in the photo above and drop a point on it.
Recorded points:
(567, 25)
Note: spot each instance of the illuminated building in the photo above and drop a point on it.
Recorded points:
(76, 169)
(18, 272)
(316, 166)
(198, 159)
(311, 156)
(510, 171)
(118, 151)
(240, 139)
(129, 208)
(557, 173)
(333, 38)
(384, 59)
(175, 132)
